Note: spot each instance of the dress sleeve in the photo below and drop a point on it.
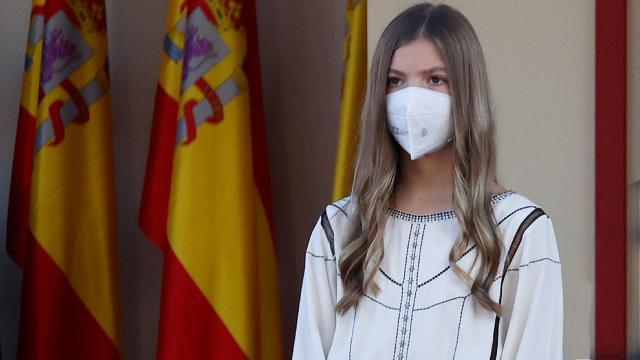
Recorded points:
(532, 297)
(316, 314)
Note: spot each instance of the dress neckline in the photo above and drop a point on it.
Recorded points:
(440, 215)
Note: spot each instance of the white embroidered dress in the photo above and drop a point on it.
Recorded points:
(424, 310)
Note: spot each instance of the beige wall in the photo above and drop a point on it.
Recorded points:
(541, 69)
(301, 58)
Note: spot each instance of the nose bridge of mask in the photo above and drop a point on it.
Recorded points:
(425, 101)
(419, 101)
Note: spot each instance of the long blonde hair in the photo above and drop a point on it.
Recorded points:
(377, 158)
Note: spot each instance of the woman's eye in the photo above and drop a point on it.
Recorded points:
(437, 80)
(393, 81)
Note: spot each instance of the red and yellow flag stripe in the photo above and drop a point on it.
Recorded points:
(61, 225)
(354, 77)
(206, 201)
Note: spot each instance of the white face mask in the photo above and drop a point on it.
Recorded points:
(419, 119)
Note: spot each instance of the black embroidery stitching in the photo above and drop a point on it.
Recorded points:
(328, 231)
(441, 302)
(415, 292)
(471, 248)
(380, 302)
(544, 258)
(407, 305)
(339, 208)
(389, 277)
(527, 264)
(455, 349)
(353, 325)
(515, 211)
(402, 292)
(447, 268)
(468, 250)
(438, 216)
(497, 197)
(321, 256)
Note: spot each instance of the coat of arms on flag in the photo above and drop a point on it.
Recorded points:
(61, 222)
(207, 201)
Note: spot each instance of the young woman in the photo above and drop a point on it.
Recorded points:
(430, 257)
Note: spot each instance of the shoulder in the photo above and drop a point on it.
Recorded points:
(511, 205)
(526, 228)
(331, 224)
(340, 210)
(511, 208)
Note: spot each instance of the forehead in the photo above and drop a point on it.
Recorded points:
(417, 55)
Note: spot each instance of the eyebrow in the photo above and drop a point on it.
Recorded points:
(433, 69)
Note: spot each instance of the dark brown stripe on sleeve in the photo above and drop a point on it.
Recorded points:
(517, 239)
(326, 225)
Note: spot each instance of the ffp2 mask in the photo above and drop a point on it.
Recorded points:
(419, 119)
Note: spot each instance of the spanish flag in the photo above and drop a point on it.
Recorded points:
(61, 221)
(206, 200)
(354, 77)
